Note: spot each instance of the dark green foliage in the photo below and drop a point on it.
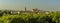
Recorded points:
(17, 20)
(1, 21)
(31, 18)
(1, 14)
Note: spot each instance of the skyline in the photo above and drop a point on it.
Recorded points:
(30, 4)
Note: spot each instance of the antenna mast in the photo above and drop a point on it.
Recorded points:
(25, 5)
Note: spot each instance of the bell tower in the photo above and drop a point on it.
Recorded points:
(25, 8)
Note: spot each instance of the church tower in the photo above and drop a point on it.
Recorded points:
(25, 9)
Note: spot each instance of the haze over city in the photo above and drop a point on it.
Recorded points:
(30, 4)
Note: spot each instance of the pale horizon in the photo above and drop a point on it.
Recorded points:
(49, 5)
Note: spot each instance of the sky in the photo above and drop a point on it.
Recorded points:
(50, 5)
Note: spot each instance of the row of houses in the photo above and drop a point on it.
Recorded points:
(35, 11)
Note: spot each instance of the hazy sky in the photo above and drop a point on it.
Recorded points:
(40, 4)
